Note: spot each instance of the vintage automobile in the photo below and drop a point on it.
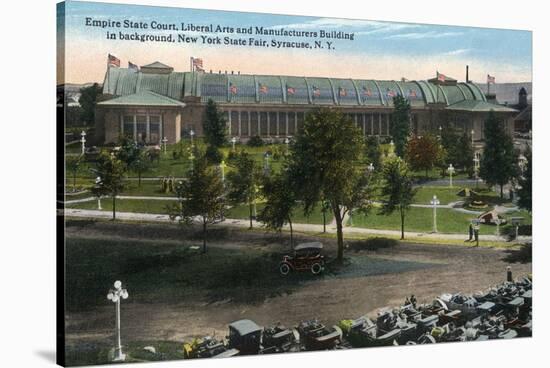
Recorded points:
(306, 257)
(279, 339)
(316, 336)
(208, 347)
(246, 336)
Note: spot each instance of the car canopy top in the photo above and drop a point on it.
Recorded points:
(245, 327)
(310, 245)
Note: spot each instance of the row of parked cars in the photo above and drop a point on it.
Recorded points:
(503, 312)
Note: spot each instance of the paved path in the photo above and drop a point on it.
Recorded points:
(132, 216)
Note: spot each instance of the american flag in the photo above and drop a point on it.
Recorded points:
(490, 79)
(290, 90)
(390, 93)
(412, 93)
(132, 66)
(233, 88)
(197, 63)
(367, 92)
(112, 60)
(316, 91)
(342, 92)
(263, 89)
(441, 77)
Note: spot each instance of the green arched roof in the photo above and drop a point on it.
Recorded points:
(288, 90)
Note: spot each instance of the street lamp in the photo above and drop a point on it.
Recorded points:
(256, 190)
(192, 157)
(115, 295)
(233, 141)
(370, 168)
(476, 169)
(83, 141)
(192, 133)
(392, 148)
(435, 202)
(440, 131)
(222, 168)
(472, 134)
(451, 171)
(266, 165)
(287, 141)
(164, 141)
(98, 184)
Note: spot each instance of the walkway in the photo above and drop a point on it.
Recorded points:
(132, 216)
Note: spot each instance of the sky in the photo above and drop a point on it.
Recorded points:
(379, 50)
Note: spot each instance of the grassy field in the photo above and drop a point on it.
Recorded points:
(421, 220)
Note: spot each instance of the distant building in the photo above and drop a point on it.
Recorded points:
(523, 122)
(157, 102)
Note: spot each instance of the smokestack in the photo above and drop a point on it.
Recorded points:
(467, 76)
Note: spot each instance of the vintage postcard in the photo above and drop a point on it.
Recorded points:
(237, 183)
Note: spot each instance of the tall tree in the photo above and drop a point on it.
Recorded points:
(372, 151)
(280, 203)
(88, 99)
(140, 163)
(423, 153)
(323, 166)
(400, 129)
(214, 125)
(458, 149)
(200, 195)
(397, 191)
(112, 172)
(244, 181)
(499, 162)
(525, 192)
(72, 163)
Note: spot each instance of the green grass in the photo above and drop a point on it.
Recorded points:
(316, 217)
(126, 205)
(421, 220)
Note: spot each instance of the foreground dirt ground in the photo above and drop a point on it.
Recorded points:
(375, 279)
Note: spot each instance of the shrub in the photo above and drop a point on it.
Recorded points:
(255, 141)
(213, 155)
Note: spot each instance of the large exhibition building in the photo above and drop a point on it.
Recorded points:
(155, 102)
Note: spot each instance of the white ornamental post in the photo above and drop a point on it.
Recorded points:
(83, 141)
(435, 202)
(451, 171)
(115, 295)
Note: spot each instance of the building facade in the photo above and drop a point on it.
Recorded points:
(156, 102)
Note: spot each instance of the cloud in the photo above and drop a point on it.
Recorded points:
(457, 52)
(362, 27)
(424, 35)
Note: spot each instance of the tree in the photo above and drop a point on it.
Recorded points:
(525, 193)
(73, 164)
(129, 150)
(112, 172)
(244, 181)
(397, 190)
(372, 151)
(499, 160)
(214, 125)
(399, 129)
(280, 203)
(458, 150)
(200, 195)
(423, 153)
(140, 163)
(323, 166)
(88, 99)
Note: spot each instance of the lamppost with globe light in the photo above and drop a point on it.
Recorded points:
(164, 142)
(223, 165)
(192, 134)
(98, 184)
(440, 132)
(256, 189)
(476, 169)
(435, 202)
(266, 165)
(83, 141)
(370, 168)
(498, 221)
(287, 142)
(233, 141)
(392, 148)
(451, 171)
(115, 295)
(191, 158)
(472, 134)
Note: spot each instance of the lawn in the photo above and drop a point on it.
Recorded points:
(316, 217)
(421, 220)
(127, 205)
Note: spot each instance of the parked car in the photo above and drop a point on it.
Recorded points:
(306, 257)
(246, 336)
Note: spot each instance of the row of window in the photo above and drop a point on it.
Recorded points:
(143, 128)
(251, 123)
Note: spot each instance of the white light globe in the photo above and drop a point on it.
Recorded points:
(118, 284)
(110, 296)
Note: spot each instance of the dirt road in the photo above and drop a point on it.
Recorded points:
(374, 279)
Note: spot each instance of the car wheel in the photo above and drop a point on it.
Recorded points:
(284, 269)
(316, 268)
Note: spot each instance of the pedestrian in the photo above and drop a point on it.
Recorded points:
(476, 236)
(470, 232)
